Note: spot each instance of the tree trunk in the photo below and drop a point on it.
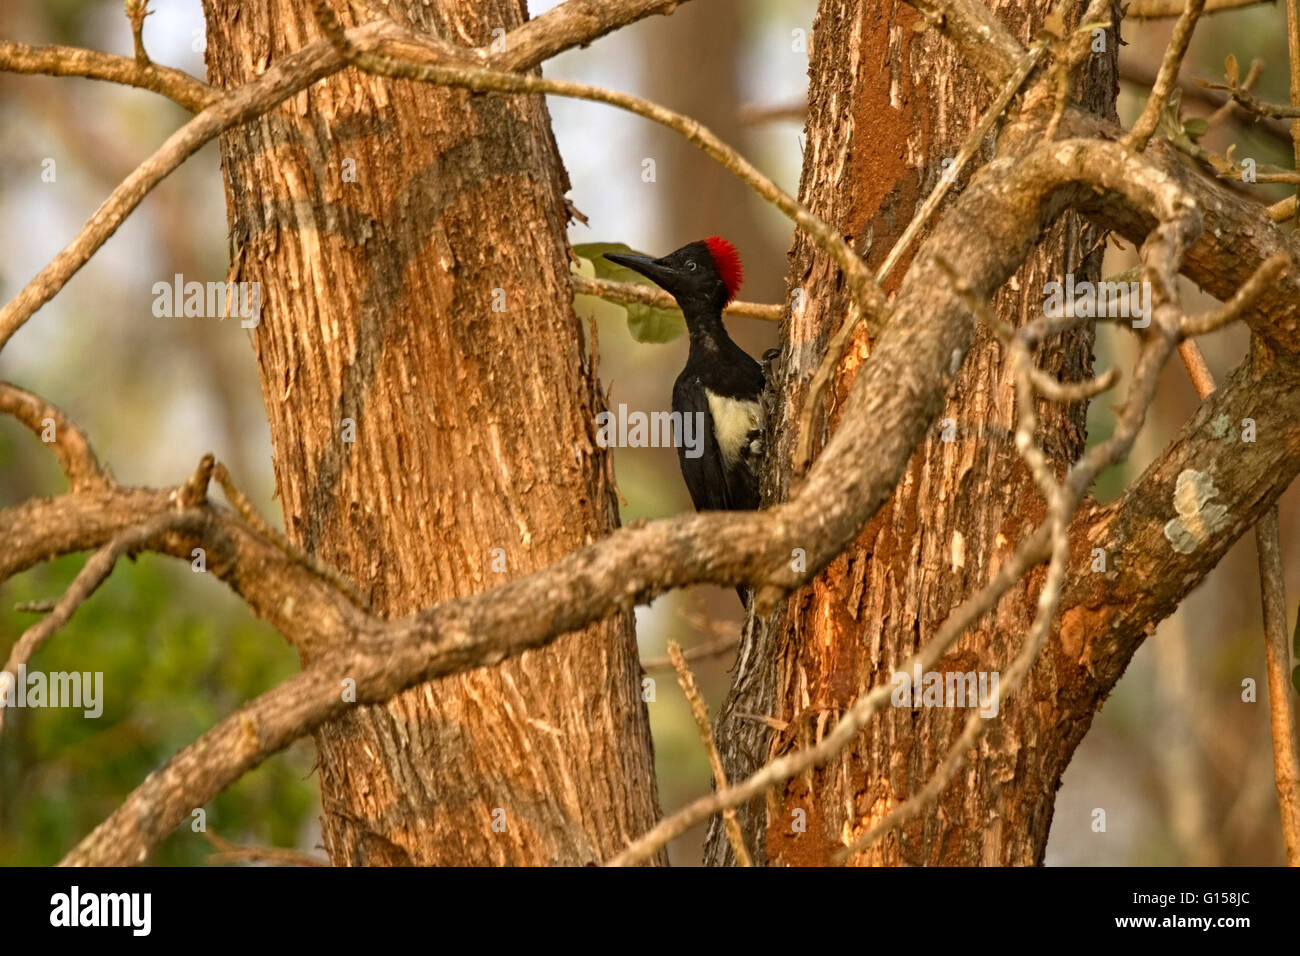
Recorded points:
(431, 409)
(887, 105)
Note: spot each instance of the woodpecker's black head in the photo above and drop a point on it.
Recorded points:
(702, 276)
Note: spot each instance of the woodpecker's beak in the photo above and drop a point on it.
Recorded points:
(654, 270)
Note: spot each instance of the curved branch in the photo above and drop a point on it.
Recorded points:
(69, 444)
(308, 609)
(572, 24)
(54, 60)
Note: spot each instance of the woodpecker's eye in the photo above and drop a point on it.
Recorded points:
(690, 265)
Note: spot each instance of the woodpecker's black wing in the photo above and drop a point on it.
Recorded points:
(712, 485)
(704, 474)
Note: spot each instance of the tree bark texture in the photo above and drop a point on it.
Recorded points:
(409, 242)
(888, 103)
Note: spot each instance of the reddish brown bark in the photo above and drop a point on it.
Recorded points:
(888, 104)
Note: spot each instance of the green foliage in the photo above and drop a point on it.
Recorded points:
(1195, 127)
(646, 322)
(177, 655)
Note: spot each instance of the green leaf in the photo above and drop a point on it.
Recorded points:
(1196, 127)
(646, 322)
(1295, 679)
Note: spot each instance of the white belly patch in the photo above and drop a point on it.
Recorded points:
(733, 422)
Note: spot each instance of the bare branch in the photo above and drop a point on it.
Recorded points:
(1166, 78)
(1252, 104)
(1245, 297)
(66, 440)
(228, 852)
(757, 115)
(1165, 9)
(178, 86)
(633, 292)
(1281, 717)
(88, 579)
(571, 24)
(308, 610)
(259, 524)
(136, 11)
(701, 714)
(714, 648)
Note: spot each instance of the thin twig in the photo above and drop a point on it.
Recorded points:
(1245, 297)
(1253, 104)
(701, 714)
(1229, 106)
(633, 292)
(756, 115)
(1272, 586)
(92, 574)
(66, 440)
(178, 86)
(714, 648)
(1277, 661)
(254, 519)
(228, 852)
(1167, 9)
(136, 11)
(1166, 78)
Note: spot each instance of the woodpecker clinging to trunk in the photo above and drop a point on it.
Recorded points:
(721, 384)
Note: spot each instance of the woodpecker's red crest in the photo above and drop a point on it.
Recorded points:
(727, 259)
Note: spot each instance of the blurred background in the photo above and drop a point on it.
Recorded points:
(1180, 764)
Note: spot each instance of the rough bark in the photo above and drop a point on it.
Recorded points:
(428, 303)
(887, 106)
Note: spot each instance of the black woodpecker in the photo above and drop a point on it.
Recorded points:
(721, 386)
